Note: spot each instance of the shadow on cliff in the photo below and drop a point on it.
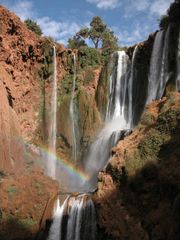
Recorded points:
(146, 204)
(16, 229)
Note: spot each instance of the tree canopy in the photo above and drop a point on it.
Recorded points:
(33, 26)
(98, 33)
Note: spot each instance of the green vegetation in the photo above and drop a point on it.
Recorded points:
(157, 137)
(33, 26)
(38, 186)
(47, 58)
(147, 119)
(98, 33)
(12, 191)
(164, 21)
(27, 223)
(89, 57)
(76, 43)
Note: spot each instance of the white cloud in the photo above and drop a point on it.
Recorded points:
(60, 31)
(159, 7)
(105, 4)
(136, 6)
(139, 33)
(24, 9)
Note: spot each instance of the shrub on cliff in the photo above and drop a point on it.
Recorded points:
(33, 26)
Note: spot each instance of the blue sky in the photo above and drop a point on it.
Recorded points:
(131, 20)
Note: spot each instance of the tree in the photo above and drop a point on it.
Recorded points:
(98, 32)
(109, 40)
(33, 26)
(76, 42)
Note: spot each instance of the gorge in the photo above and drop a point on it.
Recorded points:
(96, 141)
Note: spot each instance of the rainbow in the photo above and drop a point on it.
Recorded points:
(69, 166)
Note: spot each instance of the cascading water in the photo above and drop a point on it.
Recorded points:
(51, 159)
(158, 75)
(116, 123)
(130, 89)
(70, 218)
(76, 210)
(178, 67)
(72, 114)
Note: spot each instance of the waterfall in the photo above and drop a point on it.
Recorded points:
(158, 75)
(116, 123)
(118, 83)
(72, 114)
(51, 161)
(74, 220)
(55, 230)
(130, 89)
(178, 67)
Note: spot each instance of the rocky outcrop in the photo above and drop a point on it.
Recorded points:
(26, 204)
(139, 190)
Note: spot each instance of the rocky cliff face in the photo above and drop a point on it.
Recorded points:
(11, 148)
(26, 195)
(23, 55)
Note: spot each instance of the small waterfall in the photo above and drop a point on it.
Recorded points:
(130, 89)
(51, 161)
(178, 67)
(72, 114)
(158, 75)
(56, 227)
(74, 220)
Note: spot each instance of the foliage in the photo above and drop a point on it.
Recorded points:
(89, 76)
(47, 58)
(89, 57)
(27, 223)
(158, 136)
(168, 121)
(98, 32)
(33, 26)
(164, 21)
(76, 42)
(38, 186)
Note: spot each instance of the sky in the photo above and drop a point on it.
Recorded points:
(131, 20)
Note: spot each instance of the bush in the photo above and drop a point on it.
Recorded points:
(89, 57)
(33, 26)
(164, 21)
